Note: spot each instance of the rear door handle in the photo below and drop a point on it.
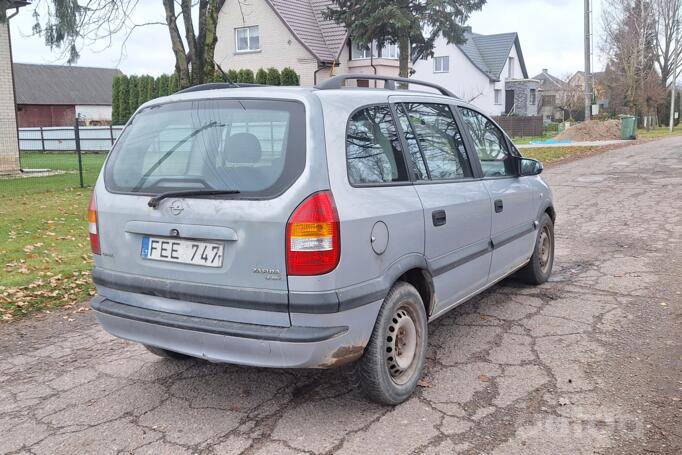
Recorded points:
(439, 217)
(499, 206)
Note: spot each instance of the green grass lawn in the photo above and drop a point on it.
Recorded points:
(44, 252)
(658, 133)
(66, 163)
(549, 155)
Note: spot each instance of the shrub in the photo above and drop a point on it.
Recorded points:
(246, 76)
(274, 77)
(289, 77)
(262, 77)
(233, 75)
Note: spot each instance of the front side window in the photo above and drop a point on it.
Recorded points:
(254, 147)
(510, 72)
(441, 64)
(373, 151)
(438, 140)
(498, 96)
(490, 144)
(533, 96)
(247, 39)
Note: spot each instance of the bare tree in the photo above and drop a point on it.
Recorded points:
(630, 43)
(70, 25)
(668, 14)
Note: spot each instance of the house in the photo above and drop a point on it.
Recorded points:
(9, 142)
(53, 95)
(577, 83)
(558, 99)
(487, 70)
(294, 33)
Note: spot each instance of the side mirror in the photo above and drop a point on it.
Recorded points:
(529, 166)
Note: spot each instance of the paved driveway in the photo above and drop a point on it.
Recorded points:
(588, 363)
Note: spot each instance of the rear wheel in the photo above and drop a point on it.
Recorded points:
(539, 268)
(166, 354)
(394, 359)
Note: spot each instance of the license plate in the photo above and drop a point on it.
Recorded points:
(194, 252)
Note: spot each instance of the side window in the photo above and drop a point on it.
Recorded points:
(490, 144)
(435, 141)
(373, 151)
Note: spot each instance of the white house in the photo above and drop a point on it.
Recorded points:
(487, 70)
(294, 33)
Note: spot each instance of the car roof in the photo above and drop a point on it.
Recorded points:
(349, 96)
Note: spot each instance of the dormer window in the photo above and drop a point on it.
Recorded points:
(247, 39)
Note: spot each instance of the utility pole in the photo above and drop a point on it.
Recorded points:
(588, 52)
(674, 84)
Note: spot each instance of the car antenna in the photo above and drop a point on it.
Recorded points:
(226, 78)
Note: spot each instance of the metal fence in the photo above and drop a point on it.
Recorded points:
(63, 139)
(58, 158)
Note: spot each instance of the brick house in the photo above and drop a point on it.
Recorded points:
(293, 33)
(9, 142)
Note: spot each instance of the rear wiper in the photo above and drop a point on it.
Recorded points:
(154, 202)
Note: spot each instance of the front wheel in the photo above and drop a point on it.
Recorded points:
(394, 359)
(539, 268)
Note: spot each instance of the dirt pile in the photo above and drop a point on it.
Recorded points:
(593, 130)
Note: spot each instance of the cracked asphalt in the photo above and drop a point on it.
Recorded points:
(590, 362)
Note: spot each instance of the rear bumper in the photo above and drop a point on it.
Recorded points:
(332, 341)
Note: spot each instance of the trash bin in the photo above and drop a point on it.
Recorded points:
(628, 127)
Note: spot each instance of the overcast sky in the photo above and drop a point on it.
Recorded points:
(551, 33)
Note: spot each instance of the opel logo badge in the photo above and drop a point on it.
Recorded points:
(176, 208)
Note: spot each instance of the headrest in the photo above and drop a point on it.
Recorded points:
(242, 148)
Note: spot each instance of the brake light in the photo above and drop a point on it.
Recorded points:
(313, 236)
(93, 227)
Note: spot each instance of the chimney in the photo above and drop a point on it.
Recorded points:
(467, 29)
(544, 70)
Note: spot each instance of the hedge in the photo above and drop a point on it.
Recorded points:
(130, 92)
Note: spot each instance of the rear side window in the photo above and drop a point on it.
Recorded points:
(255, 147)
(435, 141)
(490, 144)
(373, 150)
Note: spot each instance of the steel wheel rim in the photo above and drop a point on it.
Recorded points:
(545, 249)
(401, 345)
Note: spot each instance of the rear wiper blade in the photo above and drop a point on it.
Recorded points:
(154, 202)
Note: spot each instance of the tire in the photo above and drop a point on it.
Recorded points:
(166, 354)
(391, 365)
(539, 268)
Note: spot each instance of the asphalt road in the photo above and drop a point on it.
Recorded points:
(588, 363)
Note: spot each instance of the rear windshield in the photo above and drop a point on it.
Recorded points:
(253, 146)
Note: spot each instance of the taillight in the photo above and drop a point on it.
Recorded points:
(313, 236)
(93, 227)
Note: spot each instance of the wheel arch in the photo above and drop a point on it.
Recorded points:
(422, 280)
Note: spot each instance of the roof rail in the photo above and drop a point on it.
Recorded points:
(337, 82)
(216, 86)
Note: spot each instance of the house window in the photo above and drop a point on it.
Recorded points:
(390, 51)
(441, 64)
(533, 96)
(360, 52)
(510, 64)
(548, 100)
(247, 39)
(498, 96)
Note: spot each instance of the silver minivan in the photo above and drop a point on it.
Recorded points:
(310, 227)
